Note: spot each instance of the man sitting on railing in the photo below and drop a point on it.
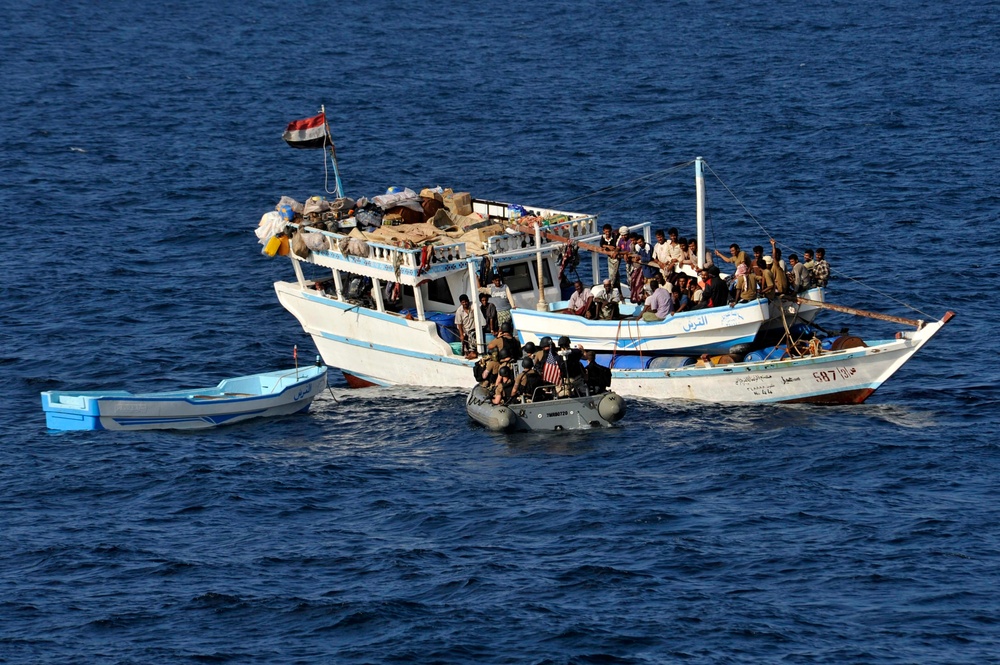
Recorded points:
(581, 301)
(606, 300)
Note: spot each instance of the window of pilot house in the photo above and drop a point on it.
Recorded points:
(546, 273)
(518, 276)
(438, 291)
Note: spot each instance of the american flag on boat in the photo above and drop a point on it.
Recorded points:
(550, 369)
(307, 133)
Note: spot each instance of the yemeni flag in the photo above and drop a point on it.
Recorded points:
(307, 133)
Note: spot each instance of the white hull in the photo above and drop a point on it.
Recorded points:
(377, 348)
(714, 331)
(384, 349)
(849, 376)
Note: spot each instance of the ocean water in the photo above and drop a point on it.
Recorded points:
(141, 144)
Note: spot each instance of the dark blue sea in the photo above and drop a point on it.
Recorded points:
(141, 143)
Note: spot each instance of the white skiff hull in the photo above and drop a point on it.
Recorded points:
(714, 331)
(234, 400)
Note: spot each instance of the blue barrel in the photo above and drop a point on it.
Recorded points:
(603, 359)
(671, 362)
(632, 362)
(445, 325)
(769, 353)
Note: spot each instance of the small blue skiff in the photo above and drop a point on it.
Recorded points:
(269, 394)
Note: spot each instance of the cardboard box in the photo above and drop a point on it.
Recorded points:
(487, 232)
(459, 203)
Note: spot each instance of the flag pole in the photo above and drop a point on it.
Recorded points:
(333, 153)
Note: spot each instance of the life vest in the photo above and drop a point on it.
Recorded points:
(529, 382)
(479, 370)
(513, 347)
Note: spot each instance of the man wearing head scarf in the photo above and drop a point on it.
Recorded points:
(746, 284)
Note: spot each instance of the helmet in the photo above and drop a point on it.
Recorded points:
(506, 327)
(503, 354)
(546, 341)
(527, 363)
(529, 348)
(564, 342)
(506, 373)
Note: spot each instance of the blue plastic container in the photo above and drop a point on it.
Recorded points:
(632, 362)
(445, 325)
(769, 353)
(671, 362)
(603, 359)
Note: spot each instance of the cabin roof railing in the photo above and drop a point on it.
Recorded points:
(401, 264)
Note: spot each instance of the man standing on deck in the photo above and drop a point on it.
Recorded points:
(465, 321)
(624, 245)
(807, 261)
(610, 245)
(490, 325)
(801, 279)
(821, 271)
(644, 256)
(661, 253)
(738, 255)
(500, 297)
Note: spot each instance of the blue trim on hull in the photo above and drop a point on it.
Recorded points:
(395, 350)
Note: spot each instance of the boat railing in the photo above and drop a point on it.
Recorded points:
(571, 229)
(387, 254)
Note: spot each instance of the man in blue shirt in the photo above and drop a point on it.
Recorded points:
(645, 257)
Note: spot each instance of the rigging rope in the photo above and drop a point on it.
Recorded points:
(656, 175)
(789, 249)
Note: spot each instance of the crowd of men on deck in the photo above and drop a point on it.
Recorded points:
(665, 278)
